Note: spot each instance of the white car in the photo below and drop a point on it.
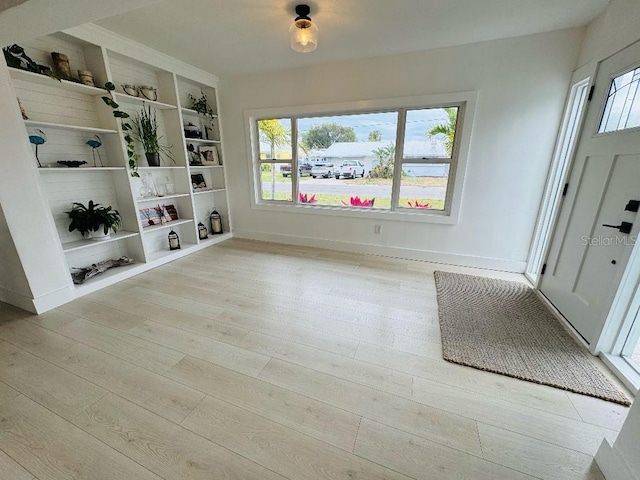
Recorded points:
(349, 169)
(322, 169)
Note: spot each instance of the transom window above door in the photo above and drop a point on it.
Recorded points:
(622, 108)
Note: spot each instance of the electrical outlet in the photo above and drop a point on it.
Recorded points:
(377, 229)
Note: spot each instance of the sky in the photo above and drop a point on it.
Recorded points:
(418, 123)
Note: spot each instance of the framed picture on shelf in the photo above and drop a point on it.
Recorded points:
(210, 155)
(194, 156)
(198, 182)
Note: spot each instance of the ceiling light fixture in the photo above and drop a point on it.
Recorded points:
(303, 32)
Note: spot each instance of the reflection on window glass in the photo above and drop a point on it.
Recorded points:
(350, 159)
(276, 181)
(622, 109)
(430, 133)
(424, 185)
(275, 139)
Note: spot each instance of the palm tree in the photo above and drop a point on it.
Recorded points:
(446, 130)
(276, 135)
(384, 167)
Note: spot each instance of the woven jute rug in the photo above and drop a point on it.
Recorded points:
(503, 327)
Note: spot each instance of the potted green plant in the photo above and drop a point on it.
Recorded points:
(94, 220)
(145, 130)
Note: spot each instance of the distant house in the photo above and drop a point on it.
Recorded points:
(363, 152)
(265, 152)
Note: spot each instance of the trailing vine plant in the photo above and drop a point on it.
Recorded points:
(127, 128)
(201, 105)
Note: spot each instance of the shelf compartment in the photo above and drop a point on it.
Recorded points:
(190, 111)
(209, 190)
(31, 77)
(62, 126)
(79, 169)
(104, 279)
(128, 99)
(154, 199)
(172, 224)
(202, 141)
(88, 243)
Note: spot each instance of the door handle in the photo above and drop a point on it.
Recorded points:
(624, 227)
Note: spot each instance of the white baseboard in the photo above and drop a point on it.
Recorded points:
(37, 305)
(17, 300)
(612, 464)
(398, 252)
(52, 300)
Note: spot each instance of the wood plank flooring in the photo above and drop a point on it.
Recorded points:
(256, 361)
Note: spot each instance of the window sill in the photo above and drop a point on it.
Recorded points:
(437, 217)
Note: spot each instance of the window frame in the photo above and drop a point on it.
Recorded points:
(465, 101)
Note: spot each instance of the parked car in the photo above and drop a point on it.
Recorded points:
(349, 169)
(322, 169)
(304, 168)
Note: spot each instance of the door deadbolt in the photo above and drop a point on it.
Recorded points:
(632, 206)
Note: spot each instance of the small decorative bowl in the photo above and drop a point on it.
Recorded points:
(71, 163)
(130, 89)
(149, 92)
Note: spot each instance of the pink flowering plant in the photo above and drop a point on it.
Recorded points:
(304, 198)
(359, 202)
(418, 204)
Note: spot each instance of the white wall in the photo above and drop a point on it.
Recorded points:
(522, 83)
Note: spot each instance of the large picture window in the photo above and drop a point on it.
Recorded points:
(401, 160)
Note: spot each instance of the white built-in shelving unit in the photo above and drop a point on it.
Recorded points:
(70, 114)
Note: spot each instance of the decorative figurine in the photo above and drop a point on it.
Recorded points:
(39, 138)
(95, 143)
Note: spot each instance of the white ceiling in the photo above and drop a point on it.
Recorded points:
(228, 37)
(25, 19)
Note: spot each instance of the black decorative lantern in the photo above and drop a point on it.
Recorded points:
(174, 241)
(216, 222)
(202, 231)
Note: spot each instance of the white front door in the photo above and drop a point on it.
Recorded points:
(599, 221)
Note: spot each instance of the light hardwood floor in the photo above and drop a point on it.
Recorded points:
(260, 361)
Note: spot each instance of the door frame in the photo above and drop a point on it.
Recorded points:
(559, 171)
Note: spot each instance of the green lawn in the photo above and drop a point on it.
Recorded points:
(336, 200)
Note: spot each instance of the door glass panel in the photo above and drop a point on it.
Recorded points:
(635, 356)
(622, 110)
